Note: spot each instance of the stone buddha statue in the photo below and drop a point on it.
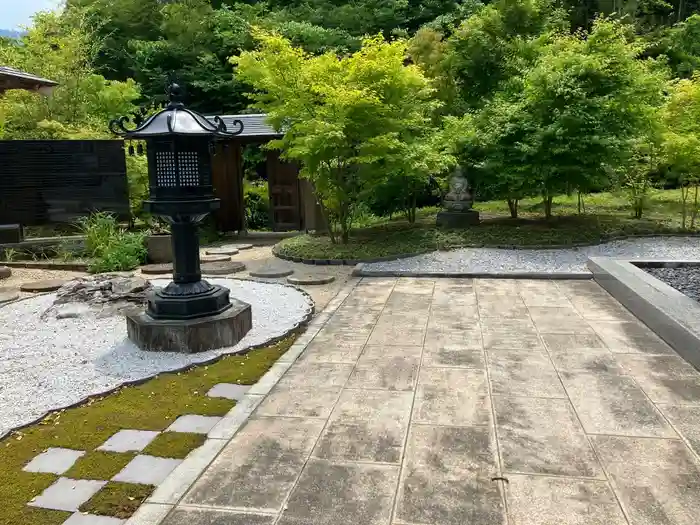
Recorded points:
(458, 203)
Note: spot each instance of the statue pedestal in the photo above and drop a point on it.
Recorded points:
(457, 219)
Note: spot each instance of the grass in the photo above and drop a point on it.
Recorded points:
(607, 216)
(153, 405)
(174, 444)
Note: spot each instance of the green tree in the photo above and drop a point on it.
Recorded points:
(351, 122)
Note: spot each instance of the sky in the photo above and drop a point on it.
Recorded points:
(17, 13)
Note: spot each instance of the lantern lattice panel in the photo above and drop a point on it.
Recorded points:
(165, 169)
(188, 164)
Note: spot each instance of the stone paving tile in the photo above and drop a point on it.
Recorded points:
(543, 436)
(564, 343)
(302, 402)
(559, 321)
(686, 420)
(258, 468)
(338, 494)
(631, 338)
(548, 295)
(129, 441)
(367, 426)
(516, 373)
(321, 375)
(190, 516)
(147, 470)
(324, 352)
(509, 308)
(453, 356)
(391, 331)
(469, 338)
(665, 379)
(494, 341)
(610, 403)
(592, 360)
(194, 424)
(513, 327)
(54, 461)
(447, 477)
(229, 391)
(538, 500)
(91, 519)
(387, 368)
(656, 480)
(67, 494)
(452, 397)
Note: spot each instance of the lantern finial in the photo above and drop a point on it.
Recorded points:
(176, 95)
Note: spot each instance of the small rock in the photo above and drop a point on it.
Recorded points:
(71, 311)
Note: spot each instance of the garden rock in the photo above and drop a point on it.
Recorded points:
(5, 272)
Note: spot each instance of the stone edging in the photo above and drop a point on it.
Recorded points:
(360, 271)
(48, 265)
(353, 262)
(173, 489)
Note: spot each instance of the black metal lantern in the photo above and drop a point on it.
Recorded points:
(179, 143)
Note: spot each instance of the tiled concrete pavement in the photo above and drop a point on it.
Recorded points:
(459, 402)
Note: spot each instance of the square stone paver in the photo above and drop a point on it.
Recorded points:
(511, 340)
(91, 519)
(215, 517)
(54, 461)
(147, 470)
(229, 391)
(339, 352)
(565, 343)
(518, 373)
(387, 368)
(452, 397)
(630, 338)
(194, 424)
(686, 419)
(367, 426)
(538, 500)
(543, 436)
(665, 379)
(307, 402)
(336, 494)
(451, 355)
(321, 375)
(657, 480)
(129, 441)
(258, 468)
(67, 494)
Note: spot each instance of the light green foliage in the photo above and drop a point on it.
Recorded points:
(351, 122)
(110, 246)
(137, 178)
(60, 48)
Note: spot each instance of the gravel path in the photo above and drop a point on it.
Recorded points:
(685, 279)
(46, 365)
(563, 261)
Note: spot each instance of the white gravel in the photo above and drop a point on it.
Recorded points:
(564, 261)
(52, 364)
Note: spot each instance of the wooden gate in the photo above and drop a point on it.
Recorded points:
(227, 177)
(285, 198)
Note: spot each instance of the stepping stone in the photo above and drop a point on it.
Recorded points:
(147, 470)
(5, 272)
(214, 258)
(222, 268)
(242, 247)
(67, 494)
(194, 424)
(92, 519)
(54, 461)
(310, 279)
(272, 271)
(229, 391)
(129, 441)
(223, 250)
(157, 269)
(7, 295)
(50, 285)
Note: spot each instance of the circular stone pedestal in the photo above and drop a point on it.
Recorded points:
(272, 271)
(157, 269)
(222, 250)
(50, 285)
(5, 272)
(190, 336)
(310, 279)
(222, 268)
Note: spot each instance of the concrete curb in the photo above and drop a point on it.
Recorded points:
(360, 271)
(48, 265)
(669, 313)
(173, 489)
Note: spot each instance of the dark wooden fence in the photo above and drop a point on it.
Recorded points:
(54, 181)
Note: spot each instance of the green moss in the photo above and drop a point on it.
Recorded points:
(174, 444)
(153, 405)
(120, 500)
(99, 465)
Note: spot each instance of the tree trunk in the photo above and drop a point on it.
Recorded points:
(581, 203)
(547, 201)
(513, 207)
(694, 215)
(412, 210)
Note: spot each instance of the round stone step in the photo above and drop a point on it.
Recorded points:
(214, 258)
(49, 285)
(5, 272)
(272, 271)
(222, 268)
(241, 247)
(310, 279)
(157, 269)
(222, 250)
(7, 295)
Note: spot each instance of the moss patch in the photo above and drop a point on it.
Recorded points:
(99, 465)
(174, 444)
(153, 405)
(120, 500)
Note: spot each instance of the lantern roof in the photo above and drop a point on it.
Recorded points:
(176, 119)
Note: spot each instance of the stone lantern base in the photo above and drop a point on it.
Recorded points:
(457, 219)
(190, 336)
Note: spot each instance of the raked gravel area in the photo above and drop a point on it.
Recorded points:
(52, 364)
(565, 261)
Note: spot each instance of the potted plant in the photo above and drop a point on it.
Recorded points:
(159, 242)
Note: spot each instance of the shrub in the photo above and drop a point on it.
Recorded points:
(111, 247)
(256, 198)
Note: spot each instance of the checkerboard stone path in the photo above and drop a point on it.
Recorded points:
(454, 402)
